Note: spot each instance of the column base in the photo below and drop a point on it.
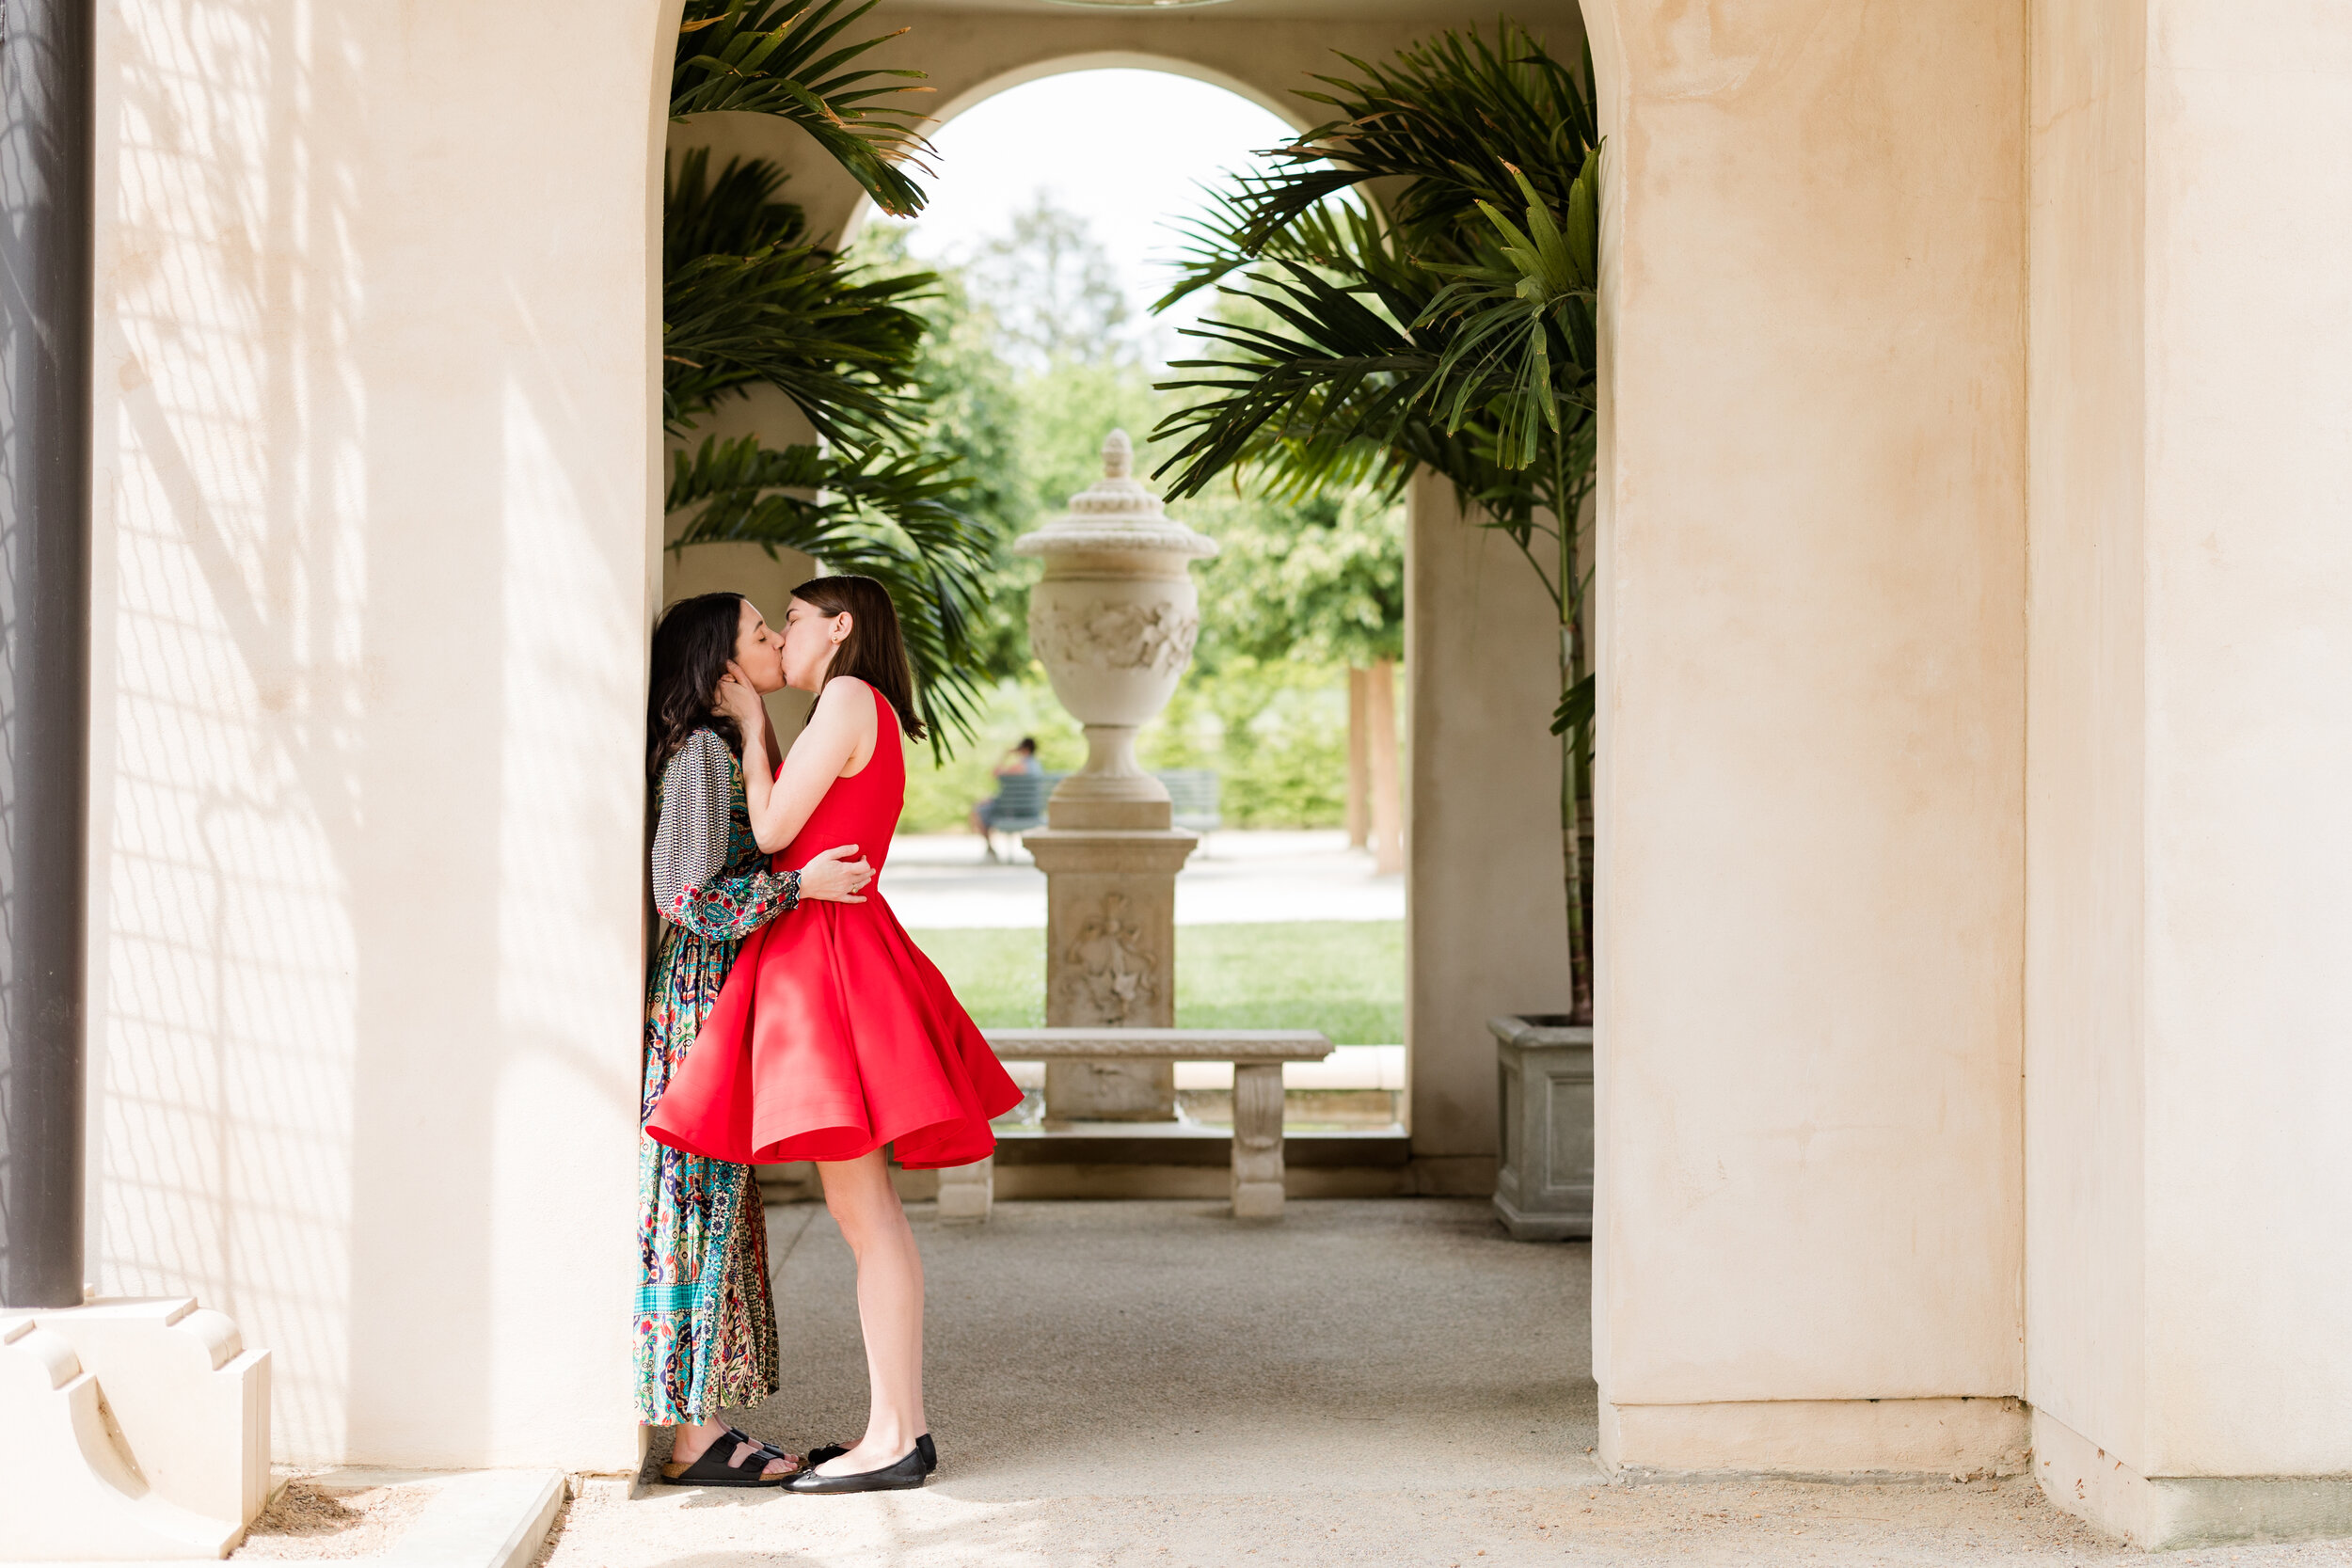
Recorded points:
(967, 1194)
(129, 1429)
(2161, 1513)
(1814, 1439)
(1258, 1200)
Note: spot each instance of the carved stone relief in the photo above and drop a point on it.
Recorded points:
(1110, 975)
(1107, 634)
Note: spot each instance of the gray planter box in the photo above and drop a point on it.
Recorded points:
(1544, 1071)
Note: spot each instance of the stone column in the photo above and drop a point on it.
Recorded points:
(45, 172)
(2188, 859)
(1808, 1250)
(1113, 622)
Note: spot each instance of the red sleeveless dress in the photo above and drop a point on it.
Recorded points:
(834, 1034)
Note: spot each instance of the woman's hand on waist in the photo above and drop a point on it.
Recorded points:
(836, 875)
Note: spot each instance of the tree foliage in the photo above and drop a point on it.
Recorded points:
(1320, 580)
(1051, 289)
(1025, 415)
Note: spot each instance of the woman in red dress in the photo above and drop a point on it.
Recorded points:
(834, 1034)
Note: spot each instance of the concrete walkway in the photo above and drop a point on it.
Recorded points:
(1144, 1383)
(943, 881)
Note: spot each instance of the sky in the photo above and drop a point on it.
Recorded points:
(1126, 149)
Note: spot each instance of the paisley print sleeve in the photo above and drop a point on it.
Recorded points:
(689, 850)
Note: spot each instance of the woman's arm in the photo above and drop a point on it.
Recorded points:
(841, 730)
(690, 849)
(739, 701)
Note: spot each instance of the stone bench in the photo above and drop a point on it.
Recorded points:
(966, 1193)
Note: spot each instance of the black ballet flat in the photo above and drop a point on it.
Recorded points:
(904, 1475)
(922, 1445)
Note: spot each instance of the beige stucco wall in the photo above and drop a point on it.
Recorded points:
(2250, 725)
(2193, 383)
(374, 485)
(1811, 571)
(1487, 921)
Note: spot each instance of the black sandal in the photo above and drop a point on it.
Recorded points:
(717, 1467)
(922, 1445)
(773, 1452)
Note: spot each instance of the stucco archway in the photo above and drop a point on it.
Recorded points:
(1485, 931)
(375, 474)
(1015, 77)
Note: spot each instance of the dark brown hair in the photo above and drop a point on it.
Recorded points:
(874, 651)
(691, 644)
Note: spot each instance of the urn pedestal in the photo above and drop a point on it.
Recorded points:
(1113, 621)
(1110, 960)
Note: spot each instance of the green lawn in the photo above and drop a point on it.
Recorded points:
(1345, 978)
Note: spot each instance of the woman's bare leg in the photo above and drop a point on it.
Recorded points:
(889, 1308)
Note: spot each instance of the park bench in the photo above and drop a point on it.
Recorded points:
(1020, 801)
(1192, 797)
(968, 1192)
(1019, 804)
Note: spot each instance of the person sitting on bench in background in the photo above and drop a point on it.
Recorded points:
(1018, 763)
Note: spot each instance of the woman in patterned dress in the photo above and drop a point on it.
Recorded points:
(706, 1327)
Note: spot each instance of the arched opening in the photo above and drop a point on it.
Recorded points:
(1467, 964)
(1293, 764)
(1282, 739)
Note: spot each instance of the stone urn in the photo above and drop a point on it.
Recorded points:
(1113, 622)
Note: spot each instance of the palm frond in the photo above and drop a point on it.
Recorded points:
(733, 215)
(1332, 388)
(1523, 333)
(883, 514)
(743, 307)
(779, 57)
(1453, 118)
(1483, 275)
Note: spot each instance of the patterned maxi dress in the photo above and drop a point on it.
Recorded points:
(706, 1327)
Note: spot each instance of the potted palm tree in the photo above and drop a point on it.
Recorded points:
(1454, 331)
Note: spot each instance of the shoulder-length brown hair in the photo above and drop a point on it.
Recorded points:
(875, 651)
(691, 644)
